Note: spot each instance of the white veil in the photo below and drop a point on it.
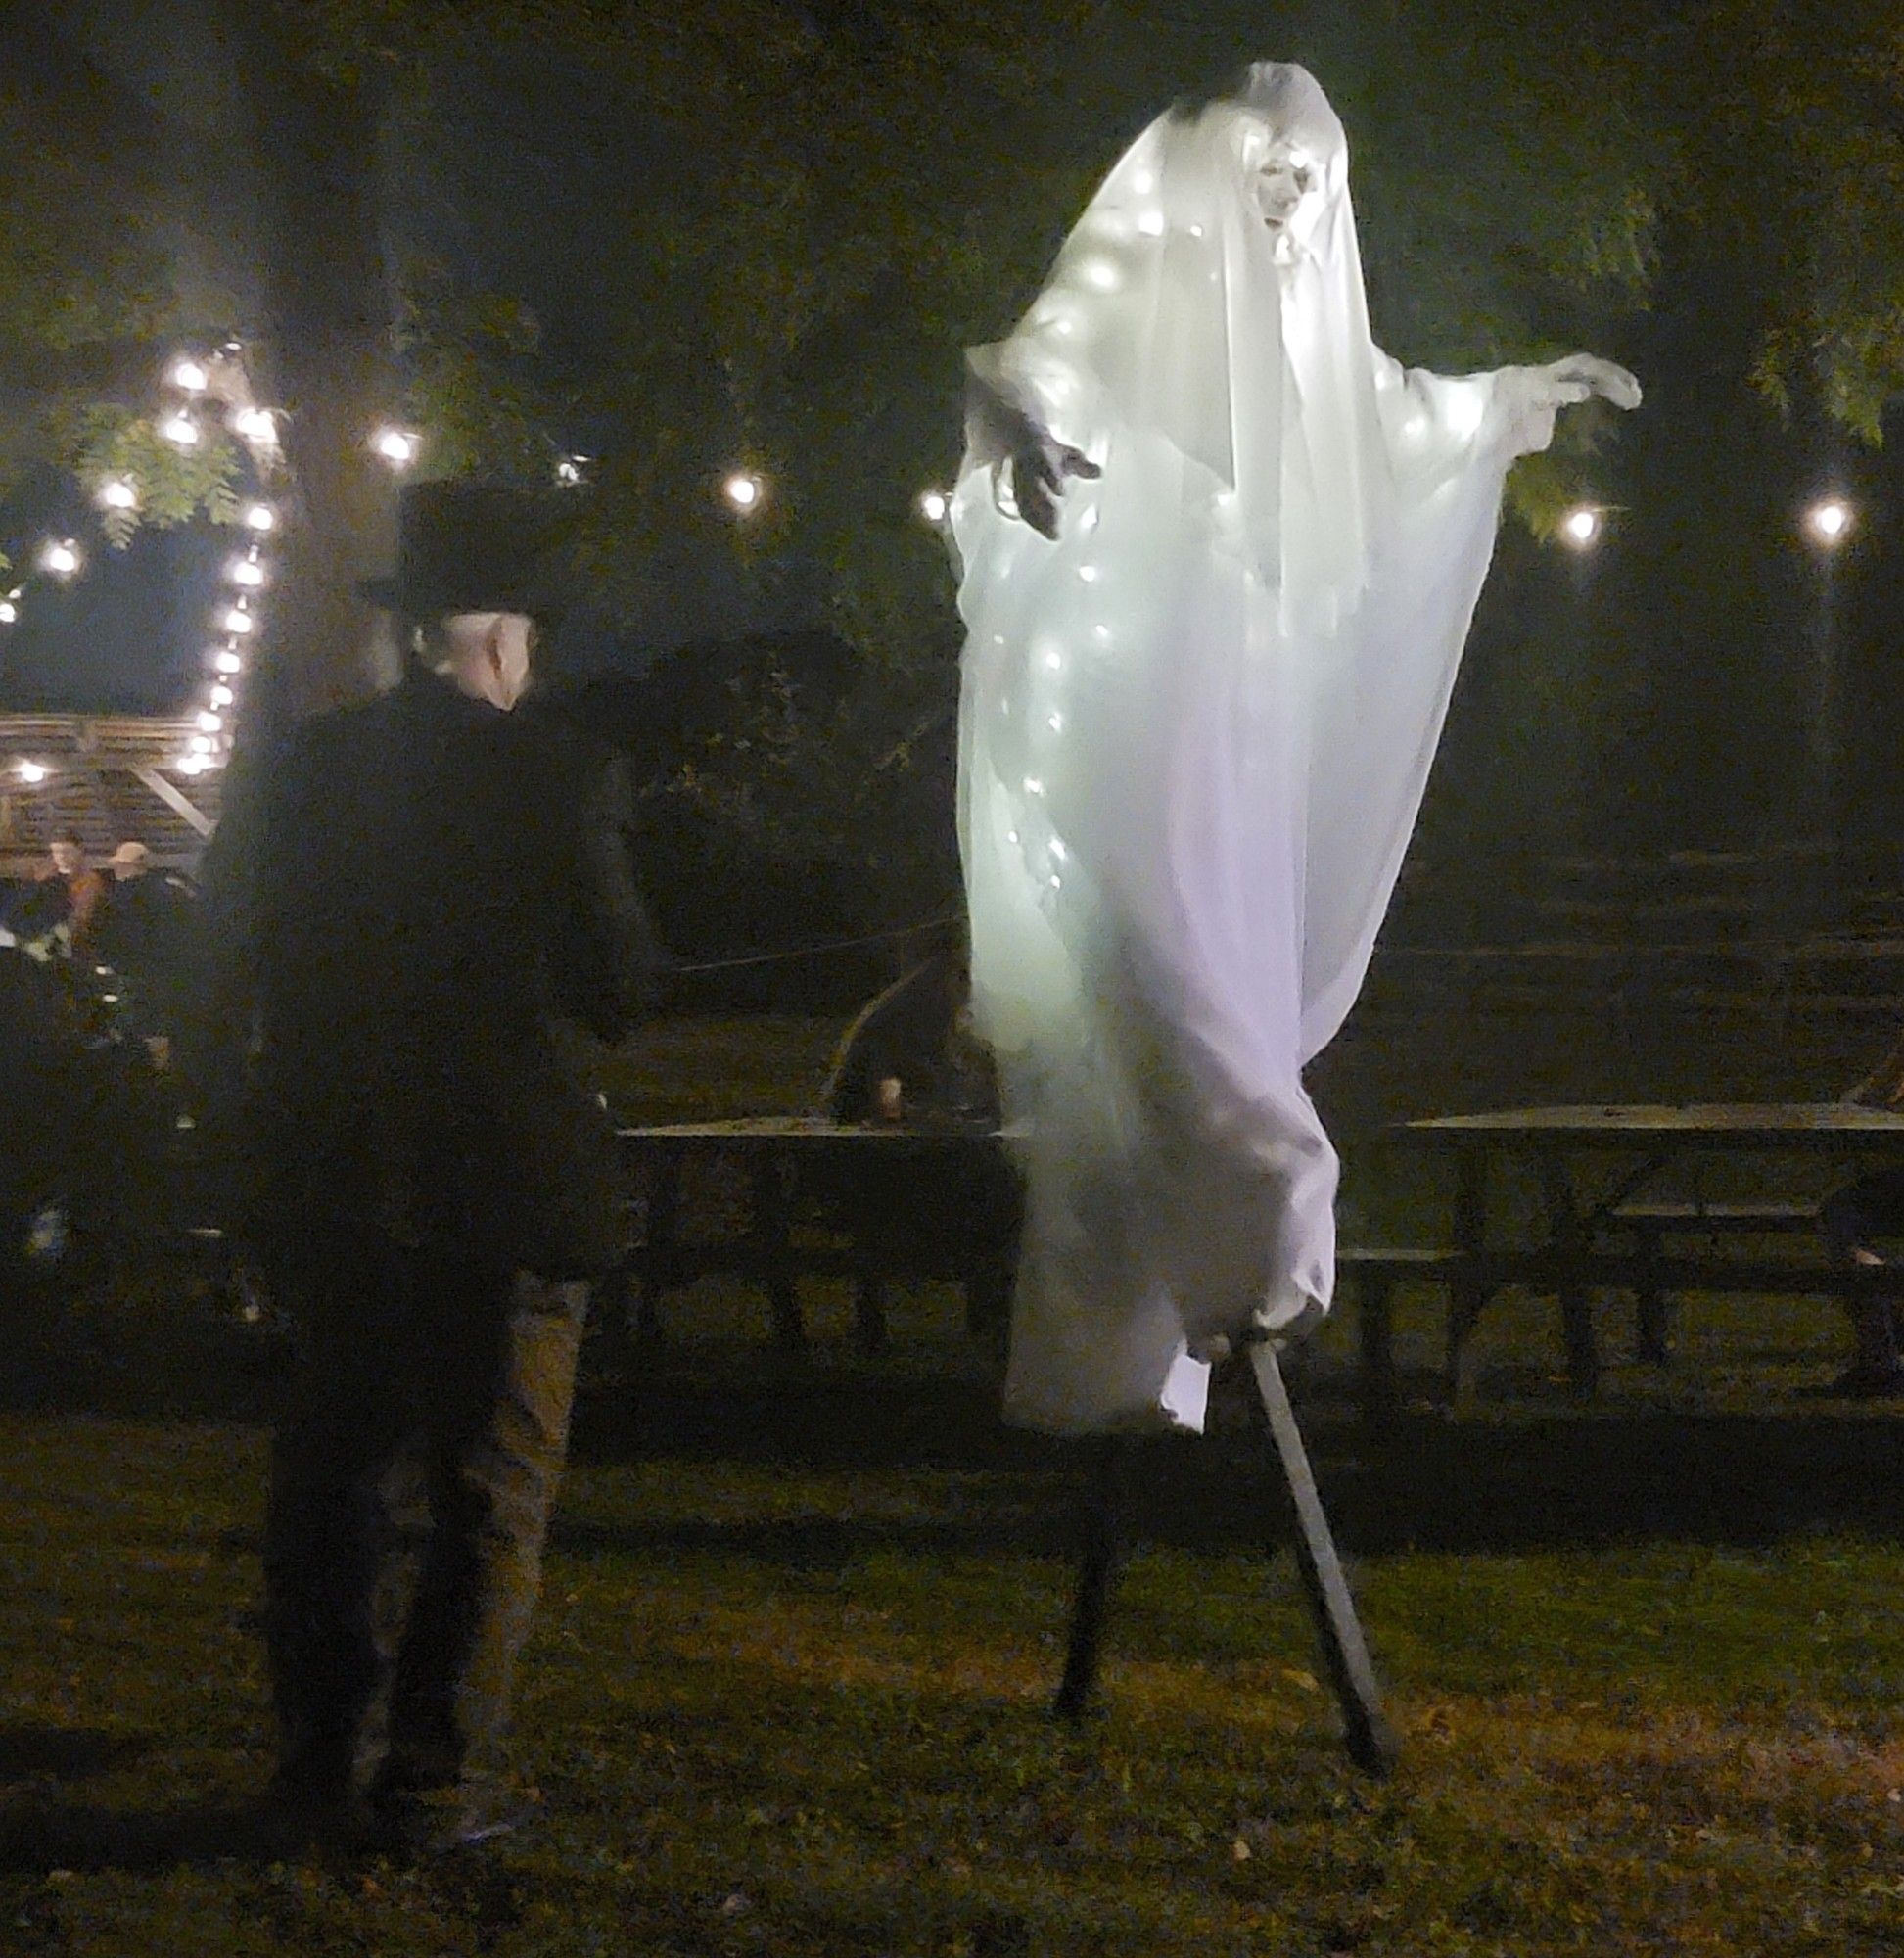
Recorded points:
(1194, 735)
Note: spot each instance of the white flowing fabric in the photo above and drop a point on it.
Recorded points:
(1194, 735)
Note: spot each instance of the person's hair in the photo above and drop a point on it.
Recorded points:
(72, 836)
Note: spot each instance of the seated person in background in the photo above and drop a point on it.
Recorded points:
(143, 931)
(84, 887)
(911, 1055)
(1872, 1207)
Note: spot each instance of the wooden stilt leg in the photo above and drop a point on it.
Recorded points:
(1102, 1503)
(1371, 1739)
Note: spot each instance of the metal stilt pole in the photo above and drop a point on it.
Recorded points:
(1371, 1742)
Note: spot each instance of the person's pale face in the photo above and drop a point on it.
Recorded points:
(67, 859)
(512, 644)
(1286, 175)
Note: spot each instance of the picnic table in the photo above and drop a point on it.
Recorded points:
(870, 1201)
(1599, 1169)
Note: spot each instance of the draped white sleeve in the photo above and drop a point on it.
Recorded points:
(1194, 735)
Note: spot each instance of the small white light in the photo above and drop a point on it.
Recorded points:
(1196, 231)
(1830, 521)
(1057, 882)
(1033, 786)
(1066, 328)
(1087, 574)
(118, 495)
(210, 722)
(1056, 723)
(1580, 527)
(237, 620)
(255, 425)
(1101, 634)
(203, 744)
(1058, 851)
(1102, 274)
(229, 662)
(1053, 661)
(569, 471)
(246, 572)
(180, 430)
(8, 611)
(933, 507)
(399, 447)
(220, 696)
(1011, 837)
(32, 772)
(1151, 224)
(191, 765)
(260, 517)
(190, 376)
(743, 490)
(60, 558)
(1144, 182)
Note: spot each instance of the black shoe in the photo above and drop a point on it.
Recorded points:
(441, 1821)
(297, 1814)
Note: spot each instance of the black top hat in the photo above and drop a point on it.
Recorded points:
(470, 547)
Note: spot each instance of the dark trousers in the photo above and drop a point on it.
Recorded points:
(411, 1478)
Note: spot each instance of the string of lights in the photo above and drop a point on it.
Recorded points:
(200, 384)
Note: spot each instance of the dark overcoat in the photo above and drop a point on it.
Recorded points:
(441, 883)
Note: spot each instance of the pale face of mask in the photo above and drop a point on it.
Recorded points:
(1279, 181)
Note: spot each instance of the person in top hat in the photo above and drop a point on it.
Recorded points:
(441, 880)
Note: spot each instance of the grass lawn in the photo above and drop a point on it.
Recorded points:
(787, 1690)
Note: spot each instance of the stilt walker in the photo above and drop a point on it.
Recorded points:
(1217, 557)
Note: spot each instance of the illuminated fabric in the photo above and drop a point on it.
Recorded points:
(1195, 731)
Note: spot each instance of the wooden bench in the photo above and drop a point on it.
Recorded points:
(1374, 1275)
(1652, 1226)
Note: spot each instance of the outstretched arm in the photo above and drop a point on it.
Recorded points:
(1003, 433)
(1542, 391)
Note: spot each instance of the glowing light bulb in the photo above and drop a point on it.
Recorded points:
(397, 446)
(255, 425)
(1033, 786)
(246, 572)
(60, 558)
(1055, 724)
(1151, 224)
(191, 765)
(1144, 182)
(220, 696)
(1830, 521)
(229, 662)
(118, 495)
(744, 490)
(181, 430)
(1058, 851)
(1580, 527)
(203, 744)
(1101, 634)
(260, 517)
(1011, 837)
(210, 722)
(237, 620)
(933, 507)
(1196, 231)
(1102, 274)
(33, 772)
(189, 375)
(1087, 574)
(1053, 661)
(569, 471)
(8, 611)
